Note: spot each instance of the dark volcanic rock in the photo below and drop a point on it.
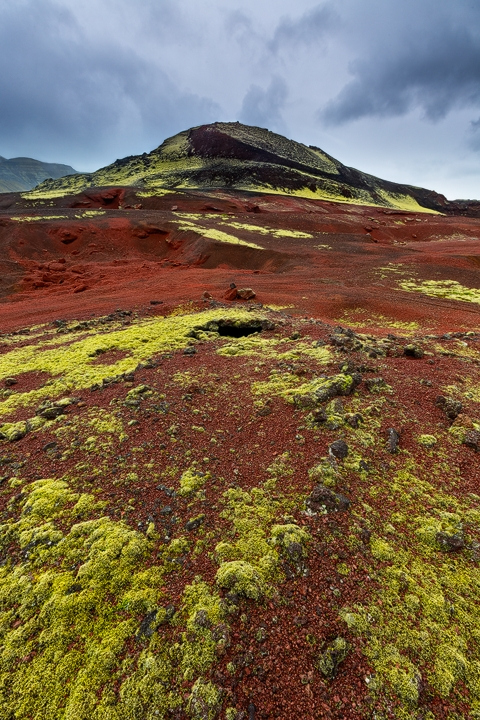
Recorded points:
(451, 407)
(450, 543)
(472, 439)
(393, 440)
(322, 499)
(413, 351)
(339, 449)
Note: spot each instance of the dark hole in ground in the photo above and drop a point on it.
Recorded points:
(229, 328)
(238, 331)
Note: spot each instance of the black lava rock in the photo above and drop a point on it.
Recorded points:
(339, 449)
(393, 440)
(322, 499)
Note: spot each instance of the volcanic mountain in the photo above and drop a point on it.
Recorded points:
(236, 156)
(22, 173)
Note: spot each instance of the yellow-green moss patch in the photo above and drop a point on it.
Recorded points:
(71, 365)
(448, 289)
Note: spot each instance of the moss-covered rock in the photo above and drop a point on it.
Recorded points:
(205, 700)
(241, 578)
(334, 654)
(191, 481)
(13, 431)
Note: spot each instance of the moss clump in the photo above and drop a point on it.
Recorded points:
(137, 394)
(307, 394)
(381, 549)
(201, 598)
(204, 701)
(427, 441)
(191, 481)
(242, 578)
(402, 676)
(13, 431)
(250, 563)
(291, 536)
(330, 659)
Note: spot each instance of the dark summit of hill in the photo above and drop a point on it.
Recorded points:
(22, 173)
(236, 156)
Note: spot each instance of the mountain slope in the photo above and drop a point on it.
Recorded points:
(236, 156)
(19, 174)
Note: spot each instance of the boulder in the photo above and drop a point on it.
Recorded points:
(339, 449)
(246, 294)
(324, 500)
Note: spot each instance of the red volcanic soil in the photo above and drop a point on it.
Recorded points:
(137, 251)
(323, 263)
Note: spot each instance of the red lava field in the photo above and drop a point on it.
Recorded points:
(239, 471)
(140, 250)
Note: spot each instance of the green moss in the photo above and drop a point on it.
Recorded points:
(13, 431)
(201, 598)
(284, 535)
(449, 289)
(214, 234)
(135, 396)
(72, 366)
(423, 623)
(80, 596)
(359, 317)
(38, 218)
(191, 481)
(262, 230)
(427, 440)
(280, 350)
(249, 564)
(404, 202)
(324, 473)
(381, 549)
(330, 659)
(204, 701)
(243, 578)
(64, 648)
(289, 386)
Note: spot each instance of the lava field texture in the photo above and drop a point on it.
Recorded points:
(239, 457)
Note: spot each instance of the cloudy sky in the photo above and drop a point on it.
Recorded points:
(391, 87)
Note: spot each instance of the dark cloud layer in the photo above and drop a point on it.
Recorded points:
(431, 63)
(74, 93)
(264, 107)
(310, 28)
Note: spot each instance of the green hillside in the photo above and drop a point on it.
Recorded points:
(20, 174)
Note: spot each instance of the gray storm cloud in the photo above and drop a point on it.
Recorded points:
(264, 107)
(431, 63)
(72, 92)
(307, 29)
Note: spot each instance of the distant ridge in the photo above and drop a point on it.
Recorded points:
(22, 173)
(236, 156)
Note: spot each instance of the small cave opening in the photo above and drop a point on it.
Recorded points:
(234, 329)
(238, 331)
